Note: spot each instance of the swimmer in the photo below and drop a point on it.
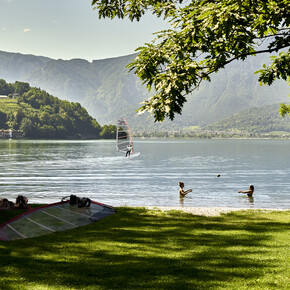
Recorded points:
(183, 193)
(249, 192)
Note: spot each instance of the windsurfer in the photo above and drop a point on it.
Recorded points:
(129, 149)
(183, 193)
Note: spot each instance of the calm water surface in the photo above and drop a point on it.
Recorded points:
(45, 171)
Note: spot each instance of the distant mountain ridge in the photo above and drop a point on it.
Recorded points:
(108, 90)
(264, 119)
(17, 66)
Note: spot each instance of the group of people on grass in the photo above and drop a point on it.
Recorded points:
(20, 203)
(183, 193)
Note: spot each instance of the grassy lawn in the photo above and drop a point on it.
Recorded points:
(143, 249)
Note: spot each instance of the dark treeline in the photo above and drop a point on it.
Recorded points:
(40, 115)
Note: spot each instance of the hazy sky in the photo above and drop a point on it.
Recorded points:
(69, 29)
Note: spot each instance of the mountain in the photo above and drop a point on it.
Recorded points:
(264, 119)
(16, 66)
(108, 90)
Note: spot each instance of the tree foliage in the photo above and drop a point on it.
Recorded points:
(5, 89)
(204, 37)
(108, 132)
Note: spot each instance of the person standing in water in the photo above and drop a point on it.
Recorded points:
(183, 193)
(249, 192)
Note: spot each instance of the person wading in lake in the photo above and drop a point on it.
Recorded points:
(183, 193)
(249, 192)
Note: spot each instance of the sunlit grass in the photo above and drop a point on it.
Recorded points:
(10, 106)
(138, 248)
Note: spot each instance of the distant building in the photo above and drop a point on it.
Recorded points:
(14, 96)
(11, 134)
(11, 96)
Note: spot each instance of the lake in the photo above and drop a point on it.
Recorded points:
(46, 171)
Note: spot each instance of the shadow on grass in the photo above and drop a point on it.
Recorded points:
(137, 248)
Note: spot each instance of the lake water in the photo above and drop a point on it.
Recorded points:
(46, 171)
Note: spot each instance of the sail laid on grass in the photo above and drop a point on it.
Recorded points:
(51, 218)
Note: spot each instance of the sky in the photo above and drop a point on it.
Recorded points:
(67, 29)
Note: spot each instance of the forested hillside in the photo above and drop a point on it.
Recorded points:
(107, 90)
(40, 115)
(264, 119)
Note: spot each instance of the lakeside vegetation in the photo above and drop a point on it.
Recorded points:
(147, 249)
(208, 134)
(258, 120)
(40, 115)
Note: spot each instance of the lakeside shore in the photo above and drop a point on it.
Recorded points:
(209, 211)
(200, 211)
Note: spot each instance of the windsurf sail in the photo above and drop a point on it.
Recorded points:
(51, 218)
(124, 142)
(123, 136)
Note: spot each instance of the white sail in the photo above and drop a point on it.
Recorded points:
(123, 136)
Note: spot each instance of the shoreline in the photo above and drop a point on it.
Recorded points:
(209, 211)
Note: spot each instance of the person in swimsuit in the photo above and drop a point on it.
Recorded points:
(183, 193)
(249, 192)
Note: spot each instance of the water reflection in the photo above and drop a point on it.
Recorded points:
(181, 201)
(251, 200)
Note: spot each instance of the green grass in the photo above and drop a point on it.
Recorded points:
(8, 105)
(143, 249)
(11, 106)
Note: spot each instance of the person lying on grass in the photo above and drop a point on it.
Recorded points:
(6, 204)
